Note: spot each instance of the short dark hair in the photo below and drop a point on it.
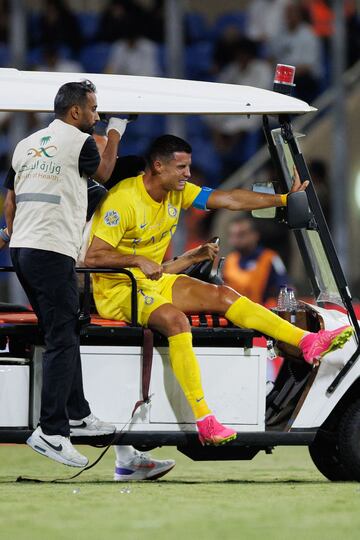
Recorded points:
(246, 46)
(244, 218)
(165, 147)
(72, 93)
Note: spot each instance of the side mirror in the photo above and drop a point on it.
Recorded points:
(298, 211)
(264, 213)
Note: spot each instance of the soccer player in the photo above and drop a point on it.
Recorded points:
(130, 464)
(132, 228)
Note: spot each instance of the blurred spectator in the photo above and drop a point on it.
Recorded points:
(58, 26)
(154, 27)
(321, 17)
(114, 20)
(251, 269)
(319, 174)
(134, 55)
(225, 48)
(353, 34)
(54, 62)
(4, 21)
(5, 120)
(298, 46)
(230, 131)
(265, 19)
(247, 68)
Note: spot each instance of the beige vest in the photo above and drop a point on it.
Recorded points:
(51, 196)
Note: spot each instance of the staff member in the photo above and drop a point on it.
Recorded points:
(251, 269)
(45, 210)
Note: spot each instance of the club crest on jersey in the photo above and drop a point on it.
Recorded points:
(172, 211)
(147, 299)
(111, 218)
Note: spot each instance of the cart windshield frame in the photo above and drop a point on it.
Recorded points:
(325, 287)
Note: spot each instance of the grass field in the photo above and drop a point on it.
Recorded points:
(272, 498)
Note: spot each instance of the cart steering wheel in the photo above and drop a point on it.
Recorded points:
(202, 270)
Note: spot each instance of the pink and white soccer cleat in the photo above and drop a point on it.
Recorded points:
(315, 346)
(211, 432)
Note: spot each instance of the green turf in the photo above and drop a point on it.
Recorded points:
(272, 498)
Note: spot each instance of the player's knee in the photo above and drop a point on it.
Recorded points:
(177, 323)
(226, 297)
(169, 321)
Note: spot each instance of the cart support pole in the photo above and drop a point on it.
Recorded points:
(339, 165)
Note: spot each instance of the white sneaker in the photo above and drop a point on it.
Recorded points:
(56, 447)
(142, 467)
(90, 427)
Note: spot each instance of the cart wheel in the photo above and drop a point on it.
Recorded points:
(324, 452)
(349, 440)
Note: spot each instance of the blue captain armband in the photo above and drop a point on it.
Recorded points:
(4, 235)
(202, 199)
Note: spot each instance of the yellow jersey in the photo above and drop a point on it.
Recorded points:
(135, 224)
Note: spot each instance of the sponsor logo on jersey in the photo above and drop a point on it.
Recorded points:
(111, 218)
(172, 211)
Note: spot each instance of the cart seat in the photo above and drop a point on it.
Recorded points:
(196, 320)
(207, 330)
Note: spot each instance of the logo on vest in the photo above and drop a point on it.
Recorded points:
(111, 218)
(44, 151)
(39, 161)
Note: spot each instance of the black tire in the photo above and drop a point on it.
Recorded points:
(325, 453)
(349, 440)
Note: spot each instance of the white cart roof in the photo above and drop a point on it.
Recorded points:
(35, 91)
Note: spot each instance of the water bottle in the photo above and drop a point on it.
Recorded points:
(271, 354)
(282, 303)
(292, 304)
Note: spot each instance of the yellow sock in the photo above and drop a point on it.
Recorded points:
(244, 312)
(186, 369)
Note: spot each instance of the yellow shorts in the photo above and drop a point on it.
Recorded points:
(115, 302)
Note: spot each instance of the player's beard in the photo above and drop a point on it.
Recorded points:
(88, 129)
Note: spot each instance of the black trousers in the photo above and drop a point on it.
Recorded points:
(49, 280)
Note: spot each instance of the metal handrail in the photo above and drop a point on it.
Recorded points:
(87, 271)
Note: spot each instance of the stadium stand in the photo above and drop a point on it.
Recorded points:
(202, 37)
